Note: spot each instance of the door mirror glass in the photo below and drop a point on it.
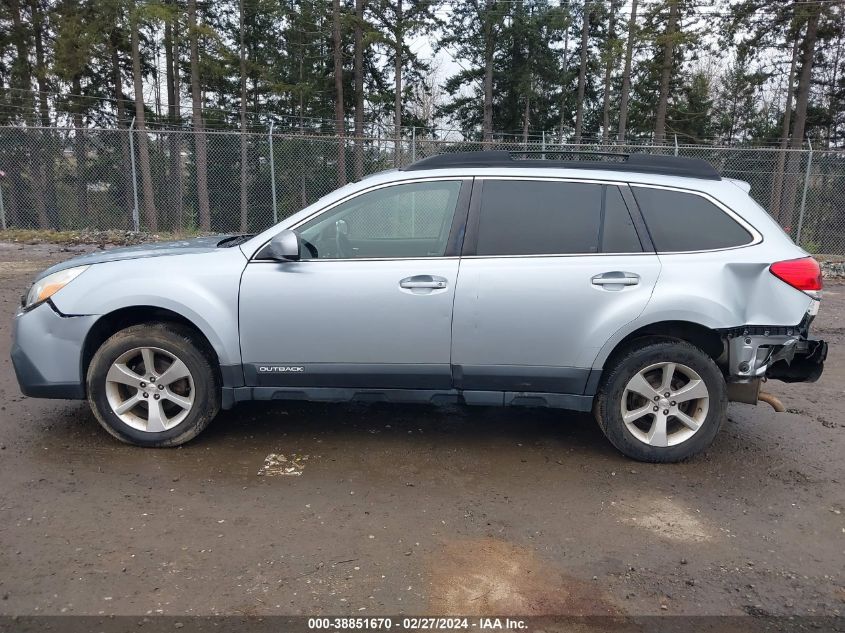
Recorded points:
(284, 246)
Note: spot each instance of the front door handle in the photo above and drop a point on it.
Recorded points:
(429, 282)
(615, 280)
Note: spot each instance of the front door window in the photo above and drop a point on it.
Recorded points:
(400, 221)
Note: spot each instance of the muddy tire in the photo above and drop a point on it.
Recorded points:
(154, 385)
(662, 402)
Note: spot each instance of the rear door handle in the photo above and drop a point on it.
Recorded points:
(616, 278)
(423, 281)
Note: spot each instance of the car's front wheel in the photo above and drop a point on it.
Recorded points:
(153, 385)
(662, 402)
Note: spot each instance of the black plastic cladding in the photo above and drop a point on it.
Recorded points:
(641, 163)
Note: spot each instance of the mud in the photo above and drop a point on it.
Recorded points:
(419, 510)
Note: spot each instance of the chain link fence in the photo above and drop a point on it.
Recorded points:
(76, 179)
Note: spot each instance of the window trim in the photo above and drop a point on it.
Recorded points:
(756, 236)
(471, 242)
(453, 241)
(633, 214)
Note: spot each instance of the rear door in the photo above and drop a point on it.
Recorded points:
(551, 268)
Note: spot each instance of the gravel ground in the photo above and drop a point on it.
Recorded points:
(403, 509)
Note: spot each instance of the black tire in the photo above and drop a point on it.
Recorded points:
(608, 403)
(181, 342)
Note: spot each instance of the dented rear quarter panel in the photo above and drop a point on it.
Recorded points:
(724, 288)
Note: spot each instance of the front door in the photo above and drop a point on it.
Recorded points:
(370, 303)
(552, 268)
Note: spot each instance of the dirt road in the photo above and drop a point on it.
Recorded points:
(401, 509)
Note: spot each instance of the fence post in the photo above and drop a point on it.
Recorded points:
(2, 208)
(414, 144)
(136, 218)
(676, 144)
(804, 193)
(273, 176)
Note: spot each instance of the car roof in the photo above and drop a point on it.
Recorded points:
(589, 161)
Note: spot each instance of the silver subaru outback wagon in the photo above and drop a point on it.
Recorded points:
(646, 289)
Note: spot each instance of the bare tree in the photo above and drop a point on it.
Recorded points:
(529, 80)
(666, 73)
(120, 101)
(610, 52)
(582, 73)
(564, 94)
(40, 65)
(489, 51)
(46, 203)
(244, 172)
(150, 216)
(805, 79)
(338, 93)
(777, 182)
(397, 72)
(200, 148)
(359, 88)
(79, 153)
(23, 98)
(171, 61)
(626, 74)
(428, 94)
(802, 97)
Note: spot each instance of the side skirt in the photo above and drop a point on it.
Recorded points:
(411, 396)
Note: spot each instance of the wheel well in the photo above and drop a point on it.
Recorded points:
(125, 317)
(709, 341)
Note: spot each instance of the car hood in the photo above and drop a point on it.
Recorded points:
(155, 249)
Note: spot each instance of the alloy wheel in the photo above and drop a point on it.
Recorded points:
(665, 404)
(150, 389)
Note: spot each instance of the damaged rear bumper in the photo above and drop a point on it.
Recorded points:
(788, 354)
(806, 364)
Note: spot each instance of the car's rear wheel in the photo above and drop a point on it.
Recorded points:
(662, 402)
(153, 384)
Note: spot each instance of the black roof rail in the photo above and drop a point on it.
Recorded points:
(641, 163)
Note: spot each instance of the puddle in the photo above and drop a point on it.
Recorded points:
(279, 465)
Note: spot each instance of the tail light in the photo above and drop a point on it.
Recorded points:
(803, 274)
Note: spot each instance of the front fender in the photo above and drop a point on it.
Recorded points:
(202, 288)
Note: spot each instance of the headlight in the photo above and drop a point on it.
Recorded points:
(45, 288)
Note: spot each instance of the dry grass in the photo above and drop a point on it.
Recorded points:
(87, 236)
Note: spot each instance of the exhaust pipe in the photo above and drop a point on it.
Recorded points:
(772, 400)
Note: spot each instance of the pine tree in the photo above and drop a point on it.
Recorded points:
(200, 146)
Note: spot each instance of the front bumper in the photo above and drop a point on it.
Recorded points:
(47, 352)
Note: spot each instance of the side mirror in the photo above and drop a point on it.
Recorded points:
(285, 246)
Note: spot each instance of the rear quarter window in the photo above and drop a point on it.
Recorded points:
(618, 232)
(679, 221)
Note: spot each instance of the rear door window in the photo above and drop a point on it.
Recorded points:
(534, 217)
(530, 217)
(679, 221)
